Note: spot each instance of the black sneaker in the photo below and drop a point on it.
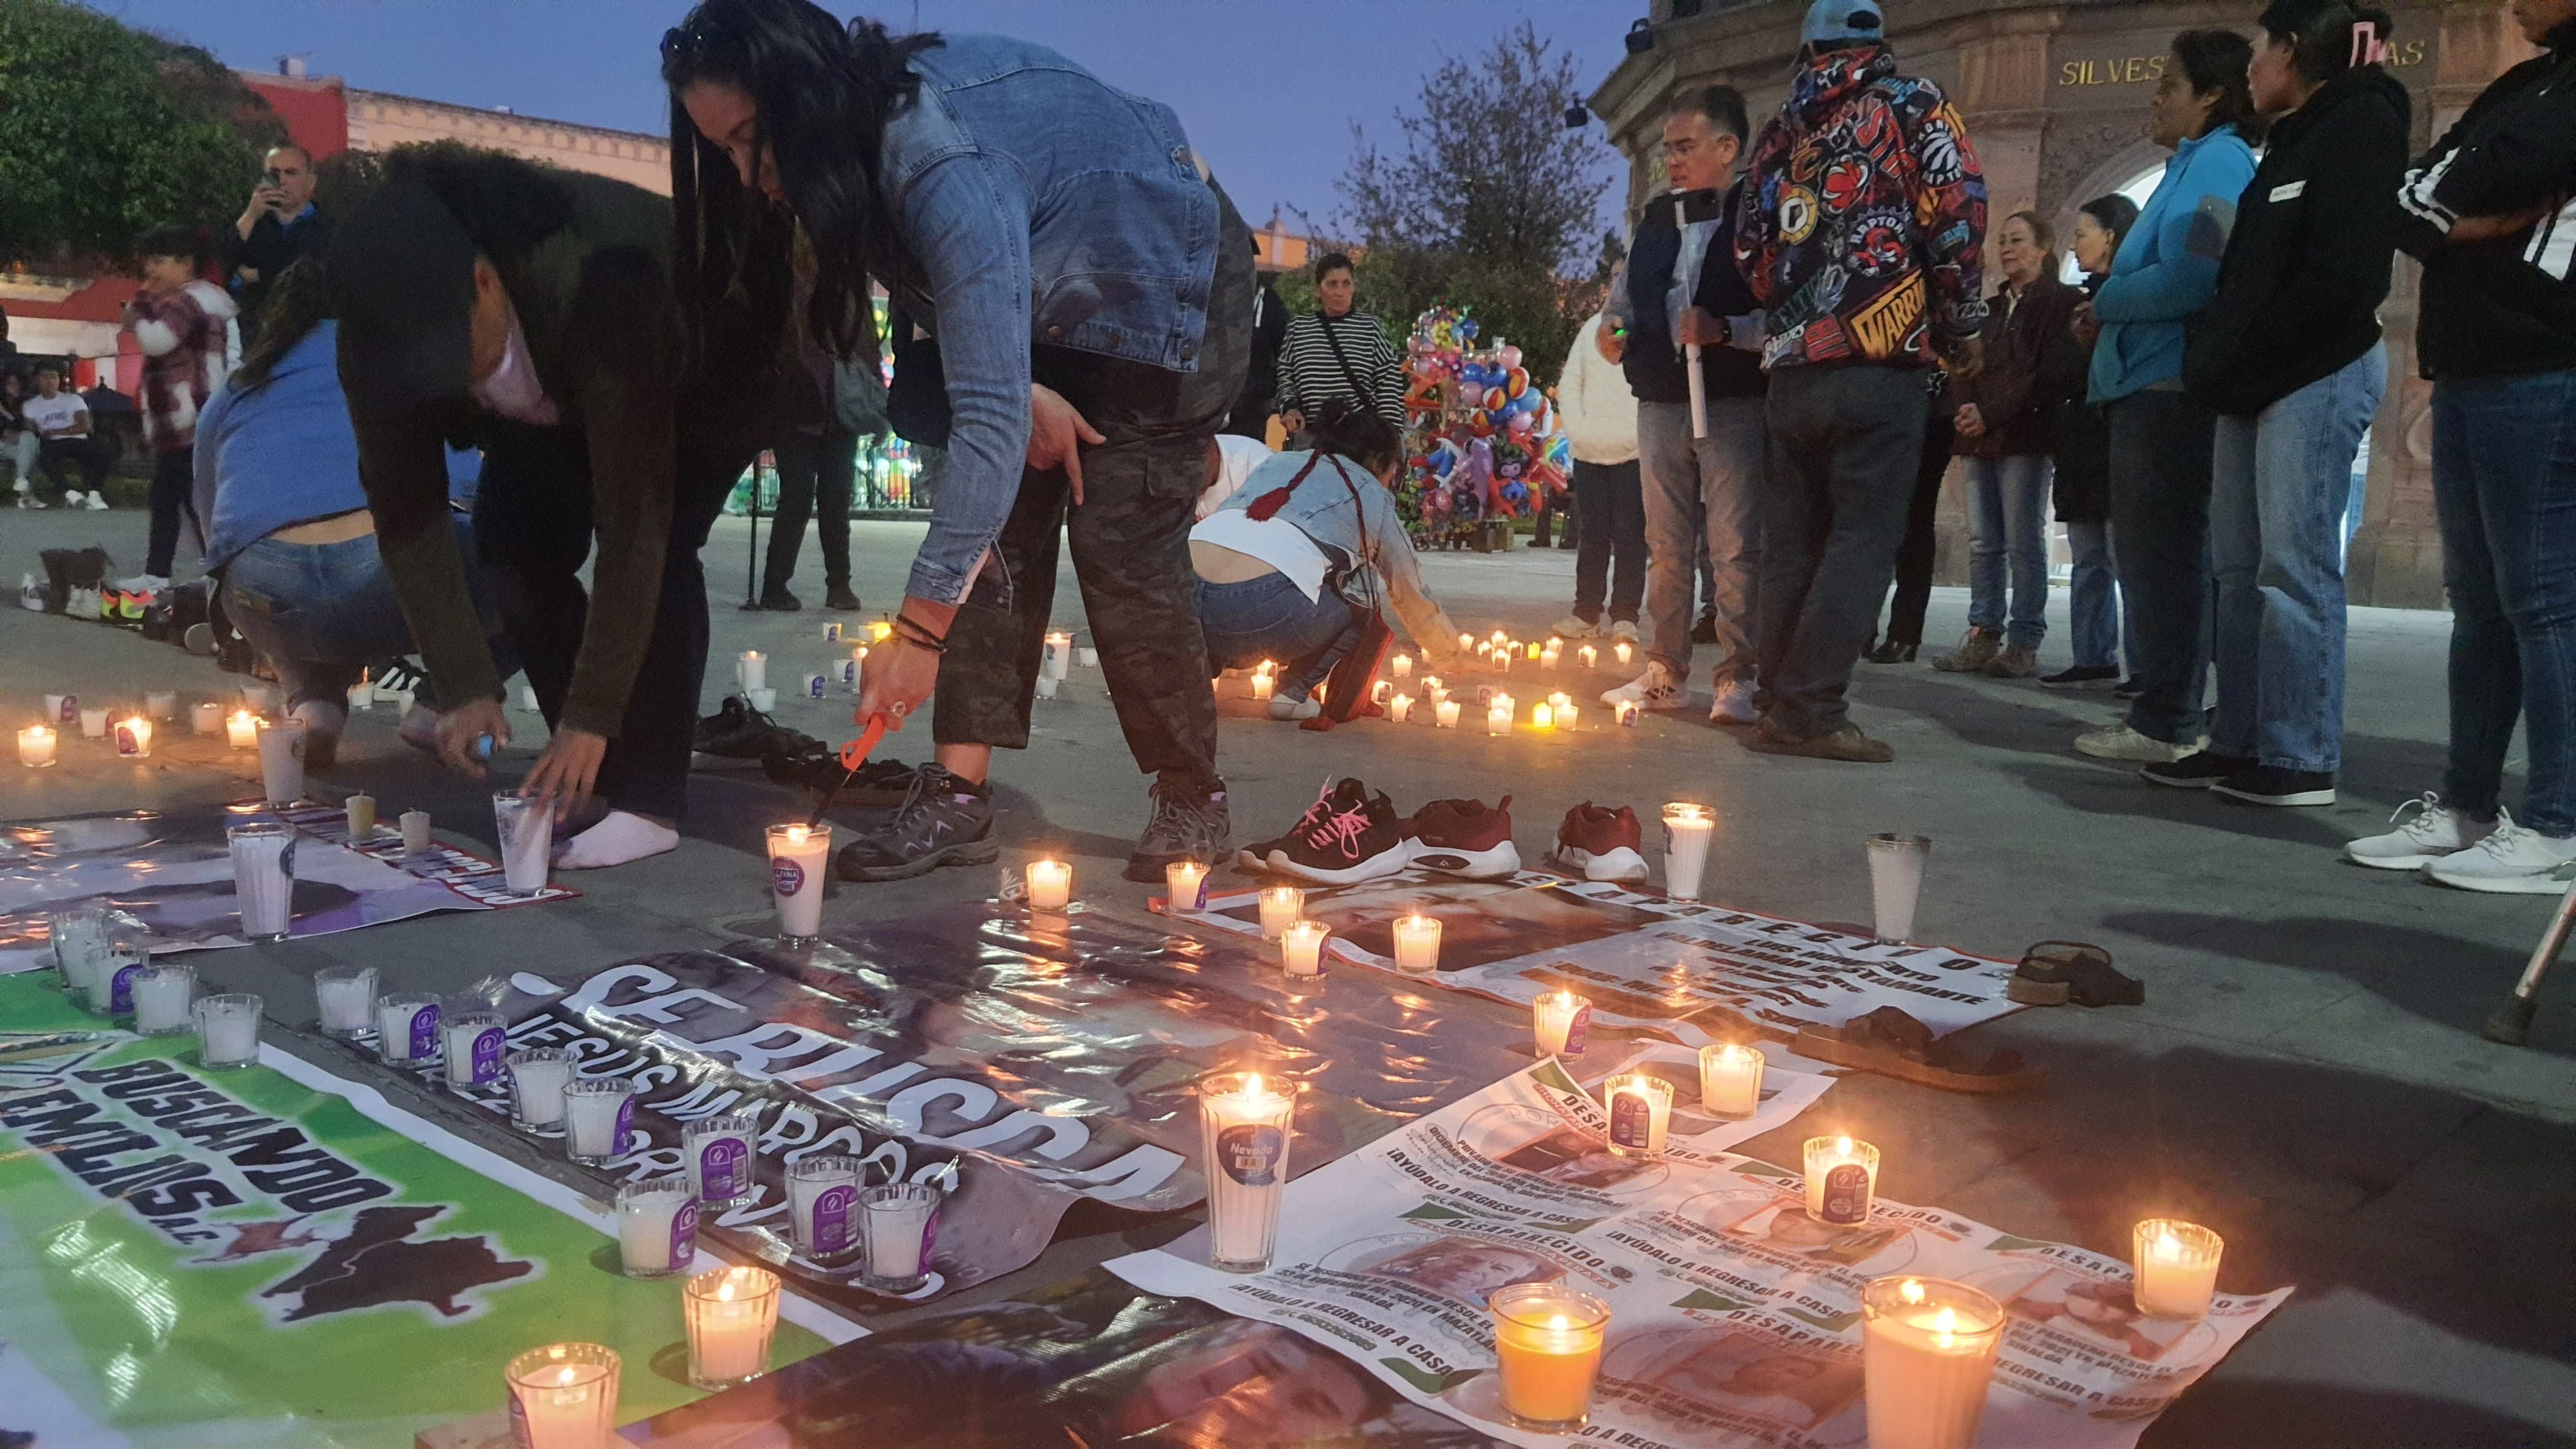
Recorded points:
(2097, 676)
(2257, 784)
(878, 785)
(1254, 859)
(2196, 771)
(942, 821)
(736, 731)
(1705, 630)
(1349, 836)
(1186, 825)
(838, 596)
(776, 599)
(2127, 689)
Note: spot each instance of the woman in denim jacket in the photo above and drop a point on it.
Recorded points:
(1091, 294)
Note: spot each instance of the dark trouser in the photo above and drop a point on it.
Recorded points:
(532, 530)
(1130, 542)
(1250, 417)
(1846, 445)
(2161, 452)
(812, 466)
(1610, 504)
(173, 480)
(1922, 540)
(87, 454)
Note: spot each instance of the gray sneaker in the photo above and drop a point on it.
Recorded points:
(1186, 826)
(943, 820)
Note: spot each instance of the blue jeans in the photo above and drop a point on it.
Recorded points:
(322, 612)
(1271, 618)
(2098, 613)
(2279, 481)
(1702, 493)
(2504, 488)
(2008, 536)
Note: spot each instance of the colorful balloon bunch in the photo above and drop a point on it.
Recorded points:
(1482, 440)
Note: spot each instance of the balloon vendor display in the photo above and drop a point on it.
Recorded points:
(1482, 441)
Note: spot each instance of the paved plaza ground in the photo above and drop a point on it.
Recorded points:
(2306, 1074)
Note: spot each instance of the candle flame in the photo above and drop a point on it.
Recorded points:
(1911, 1290)
(1252, 1085)
(796, 834)
(1560, 1323)
(2167, 1245)
(1842, 1145)
(1946, 1321)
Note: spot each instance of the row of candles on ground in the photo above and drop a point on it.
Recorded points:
(38, 745)
(751, 667)
(1501, 651)
(1555, 713)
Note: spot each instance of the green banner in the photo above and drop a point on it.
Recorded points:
(194, 1258)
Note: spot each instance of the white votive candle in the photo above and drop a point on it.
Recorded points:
(1558, 1021)
(1301, 948)
(732, 1313)
(1641, 1111)
(1401, 666)
(1622, 651)
(1417, 945)
(823, 1215)
(799, 858)
(1687, 830)
(1050, 885)
(35, 747)
(1261, 686)
(407, 1030)
(162, 995)
(344, 997)
(227, 1030)
(2177, 1268)
(1730, 1080)
(899, 1215)
(1444, 715)
(1498, 720)
(241, 728)
(564, 1396)
(1185, 886)
(1244, 1130)
(1059, 655)
(134, 737)
(1842, 1178)
(597, 1113)
(752, 670)
(474, 1042)
(1281, 906)
(415, 832)
(538, 1076)
(206, 718)
(361, 813)
(657, 1227)
(93, 722)
(1399, 708)
(1927, 1358)
(161, 703)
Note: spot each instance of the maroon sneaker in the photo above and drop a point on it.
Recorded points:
(1600, 844)
(1464, 837)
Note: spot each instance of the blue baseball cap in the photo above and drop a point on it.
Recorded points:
(1842, 22)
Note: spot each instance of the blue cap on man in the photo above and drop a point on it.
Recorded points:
(1842, 22)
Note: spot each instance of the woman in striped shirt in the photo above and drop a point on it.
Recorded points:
(1337, 353)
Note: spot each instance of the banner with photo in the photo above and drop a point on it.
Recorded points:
(1736, 1315)
(1699, 973)
(1020, 1062)
(171, 872)
(191, 1258)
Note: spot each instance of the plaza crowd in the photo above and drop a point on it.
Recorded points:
(1800, 339)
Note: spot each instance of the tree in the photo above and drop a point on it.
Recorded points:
(105, 131)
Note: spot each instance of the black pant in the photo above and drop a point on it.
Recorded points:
(1846, 444)
(532, 531)
(1610, 504)
(174, 481)
(90, 455)
(1251, 415)
(812, 466)
(1914, 554)
(2162, 445)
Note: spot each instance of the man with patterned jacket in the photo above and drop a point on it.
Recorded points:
(1861, 233)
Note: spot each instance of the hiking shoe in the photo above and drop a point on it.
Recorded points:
(2018, 661)
(1847, 744)
(1703, 630)
(1575, 626)
(2273, 785)
(1285, 706)
(2427, 830)
(1350, 836)
(1465, 838)
(776, 599)
(736, 731)
(1600, 844)
(839, 597)
(944, 820)
(2511, 860)
(1891, 652)
(1734, 702)
(2120, 742)
(1654, 689)
(1973, 653)
(2082, 676)
(2198, 770)
(1186, 825)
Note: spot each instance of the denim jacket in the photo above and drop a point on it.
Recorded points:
(1353, 519)
(1040, 205)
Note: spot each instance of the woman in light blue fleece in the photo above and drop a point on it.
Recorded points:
(2161, 440)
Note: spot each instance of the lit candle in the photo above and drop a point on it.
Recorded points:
(1842, 1178)
(1185, 886)
(752, 669)
(1548, 657)
(2177, 1268)
(1566, 714)
(1464, 641)
(1281, 907)
(1444, 715)
(206, 718)
(1401, 666)
(732, 1314)
(227, 1031)
(1431, 684)
(1377, 691)
(1687, 829)
(1927, 1357)
(1542, 718)
(1399, 707)
(1498, 720)
(881, 631)
(134, 737)
(1050, 885)
(1547, 1349)
(1501, 638)
(1502, 661)
(35, 747)
(1261, 686)
(1485, 651)
(360, 811)
(1559, 1020)
(1626, 711)
(799, 858)
(1623, 651)
(1641, 1110)
(1301, 948)
(241, 729)
(1059, 655)
(1417, 945)
(1535, 651)
(657, 1227)
(345, 999)
(1587, 656)
(1244, 1130)
(1730, 1080)
(565, 1396)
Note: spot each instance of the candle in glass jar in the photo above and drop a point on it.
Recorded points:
(1559, 1020)
(35, 747)
(1431, 687)
(1542, 718)
(1417, 945)
(1547, 1350)
(1842, 1178)
(752, 669)
(345, 999)
(227, 1031)
(161, 998)
(1687, 829)
(2177, 1268)
(134, 737)
(1377, 691)
(1498, 720)
(1399, 708)
(1401, 666)
(206, 718)
(657, 1227)
(732, 1314)
(241, 729)
(538, 1076)
(1566, 714)
(1641, 1112)
(1730, 1080)
(899, 1219)
(1444, 715)
(1625, 711)
(799, 857)
(93, 722)
(1050, 885)
(1622, 651)
(1059, 655)
(1535, 651)
(1547, 658)
(1261, 686)
(1244, 1128)
(1301, 948)
(1927, 1358)
(1281, 906)
(564, 1396)
(1185, 886)
(1587, 656)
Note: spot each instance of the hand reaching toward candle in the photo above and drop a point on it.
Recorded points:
(567, 770)
(465, 724)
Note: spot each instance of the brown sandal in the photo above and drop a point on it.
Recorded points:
(1893, 1044)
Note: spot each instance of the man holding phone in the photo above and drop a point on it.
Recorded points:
(278, 228)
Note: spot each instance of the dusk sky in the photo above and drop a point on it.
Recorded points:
(1267, 91)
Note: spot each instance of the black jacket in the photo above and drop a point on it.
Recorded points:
(1269, 331)
(2306, 266)
(2504, 307)
(2081, 490)
(1653, 361)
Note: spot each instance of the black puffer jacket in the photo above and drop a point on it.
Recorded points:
(2306, 266)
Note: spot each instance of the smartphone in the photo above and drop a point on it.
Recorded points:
(270, 177)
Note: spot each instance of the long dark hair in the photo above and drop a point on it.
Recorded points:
(299, 300)
(822, 94)
(2320, 34)
(1355, 432)
(2115, 214)
(2216, 60)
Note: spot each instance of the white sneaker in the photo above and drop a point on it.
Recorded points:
(2511, 860)
(2119, 742)
(143, 584)
(1284, 707)
(1624, 629)
(29, 500)
(1734, 703)
(1654, 689)
(1573, 627)
(95, 503)
(2433, 831)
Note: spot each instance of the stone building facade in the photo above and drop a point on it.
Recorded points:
(2055, 94)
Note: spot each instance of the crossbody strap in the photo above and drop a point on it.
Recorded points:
(1359, 389)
